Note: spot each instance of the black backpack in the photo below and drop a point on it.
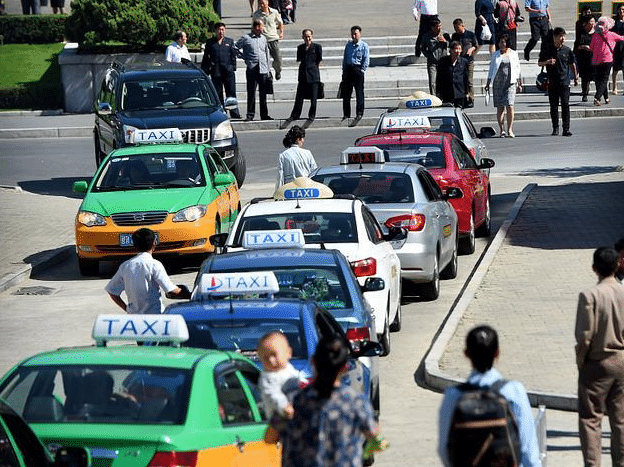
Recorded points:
(484, 432)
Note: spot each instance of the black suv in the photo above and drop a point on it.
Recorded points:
(164, 95)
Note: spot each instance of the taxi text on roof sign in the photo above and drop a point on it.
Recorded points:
(159, 135)
(151, 328)
(418, 103)
(362, 155)
(292, 238)
(302, 193)
(405, 123)
(238, 283)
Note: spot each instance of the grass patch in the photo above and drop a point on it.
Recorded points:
(29, 63)
(30, 76)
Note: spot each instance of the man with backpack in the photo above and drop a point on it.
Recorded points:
(487, 421)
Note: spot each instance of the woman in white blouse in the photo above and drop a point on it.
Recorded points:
(505, 72)
(294, 161)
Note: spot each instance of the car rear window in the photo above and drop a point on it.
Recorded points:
(242, 334)
(371, 187)
(99, 394)
(317, 227)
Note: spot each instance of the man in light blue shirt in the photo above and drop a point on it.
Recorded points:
(354, 65)
(539, 18)
(482, 349)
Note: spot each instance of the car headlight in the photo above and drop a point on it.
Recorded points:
(90, 218)
(190, 214)
(223, 131)
(127, 131)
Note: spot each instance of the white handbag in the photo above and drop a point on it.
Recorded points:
(486, 34)
(487, 97)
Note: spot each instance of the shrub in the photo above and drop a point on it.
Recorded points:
(138, 22)
(32, 29)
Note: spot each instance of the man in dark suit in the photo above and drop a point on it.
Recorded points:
(452, 77)
(219, 63)
(600, 360)
(309, 56)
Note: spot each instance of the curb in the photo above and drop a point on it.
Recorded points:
(439, 380)
(43, 261)
(327, 122)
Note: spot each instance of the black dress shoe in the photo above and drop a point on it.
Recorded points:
(356, 120)
(249, 119)
(555, 132)
(566, 133)
(266, 117)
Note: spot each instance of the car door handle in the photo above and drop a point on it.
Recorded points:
(240, 444)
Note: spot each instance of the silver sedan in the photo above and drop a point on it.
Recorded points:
(405, 195)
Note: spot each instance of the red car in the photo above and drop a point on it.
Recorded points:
(450, 162)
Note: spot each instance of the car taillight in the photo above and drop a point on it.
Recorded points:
(358, 335)
(174, 459)
(364, 267)
(412, 222)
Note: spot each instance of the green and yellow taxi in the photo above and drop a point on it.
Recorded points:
(144, 405)
(183, 192)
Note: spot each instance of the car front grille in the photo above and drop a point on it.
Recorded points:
(196, 135)
(139, 218)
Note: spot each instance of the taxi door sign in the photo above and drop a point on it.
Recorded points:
(142, 328)
(238, 283)
(292, 238)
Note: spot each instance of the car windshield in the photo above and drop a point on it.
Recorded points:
(156, 170)
(170, 93)
(427, 155)
(242, 334)
(371, 187)
(325, 285)
(326, 227)
(99, 394)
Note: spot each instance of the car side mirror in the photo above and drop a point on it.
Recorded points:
(218, 240)
(486, 163)
(224, 179)
(368, 349)
(396, 233)
(72, 457)
(80, 187)
(486, 132)
(373, 284)
(453, 193)
(104, 108)
(230, 103)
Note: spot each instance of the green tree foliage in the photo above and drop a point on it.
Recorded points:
(138, 22)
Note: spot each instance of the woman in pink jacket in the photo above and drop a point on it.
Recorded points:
(602, 45)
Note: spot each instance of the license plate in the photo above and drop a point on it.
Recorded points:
(125, 240)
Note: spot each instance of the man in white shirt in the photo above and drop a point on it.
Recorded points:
(425, 11)
(142, 277)
(273, 32)
(177, 51)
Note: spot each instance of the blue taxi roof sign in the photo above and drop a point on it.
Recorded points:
(292, 238)
(155, 135)
(362, 155)
(390, 123)
(236, 283)
(139, 328)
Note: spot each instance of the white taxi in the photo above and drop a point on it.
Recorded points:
(344, 224)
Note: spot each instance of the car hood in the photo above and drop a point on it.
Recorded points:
(196, 117)
(170, 200)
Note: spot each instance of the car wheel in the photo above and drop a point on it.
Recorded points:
(450, 271)
(395, 326)
(468, 242)
(384, 339)
(485, 228)
(431, 290)
(239, 169)
(99, 155)
(88, 267)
